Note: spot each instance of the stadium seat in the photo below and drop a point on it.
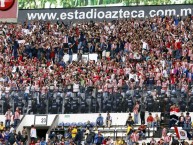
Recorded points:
(73, 124)
(67, 124)
(80, 124)
(93, 123)
(61, 124)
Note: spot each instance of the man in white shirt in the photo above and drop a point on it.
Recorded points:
(8, 116)
(33, 133)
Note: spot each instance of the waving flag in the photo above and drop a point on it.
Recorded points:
(181, 134)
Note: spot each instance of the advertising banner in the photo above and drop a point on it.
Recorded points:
(8, 10)
(41, 4)
(101, 14)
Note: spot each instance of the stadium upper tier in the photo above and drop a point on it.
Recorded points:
(149, 60)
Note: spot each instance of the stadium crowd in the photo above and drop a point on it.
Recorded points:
(152, 54)
(155, 51)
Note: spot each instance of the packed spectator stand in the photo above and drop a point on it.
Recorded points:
(139, 60)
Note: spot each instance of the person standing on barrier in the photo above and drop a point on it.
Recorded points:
(136, 112)
(17, 117)
(108, 120)
(8, 116)
(142, 110)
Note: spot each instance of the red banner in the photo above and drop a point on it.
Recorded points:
(8, 9)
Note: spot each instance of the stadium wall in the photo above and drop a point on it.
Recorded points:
(52, 120)
(103, 13)
(28, 120)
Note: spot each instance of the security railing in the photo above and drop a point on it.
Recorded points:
(90, 99)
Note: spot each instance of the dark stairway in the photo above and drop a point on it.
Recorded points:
(163, 124)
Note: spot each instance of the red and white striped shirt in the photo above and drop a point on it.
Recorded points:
(164, 131)
(8, 115)
(65, 39)
(135, 137)
(166, 139)
(17, 115)
(136, 109)
(105, 88)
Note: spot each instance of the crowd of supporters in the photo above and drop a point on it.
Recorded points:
(154, 51)
(152, 54)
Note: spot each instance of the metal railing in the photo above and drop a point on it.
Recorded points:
(90, 99)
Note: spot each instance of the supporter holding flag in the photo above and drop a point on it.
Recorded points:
(182, 134)
(174, 110)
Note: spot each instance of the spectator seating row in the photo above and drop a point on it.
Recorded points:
(114, 131)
